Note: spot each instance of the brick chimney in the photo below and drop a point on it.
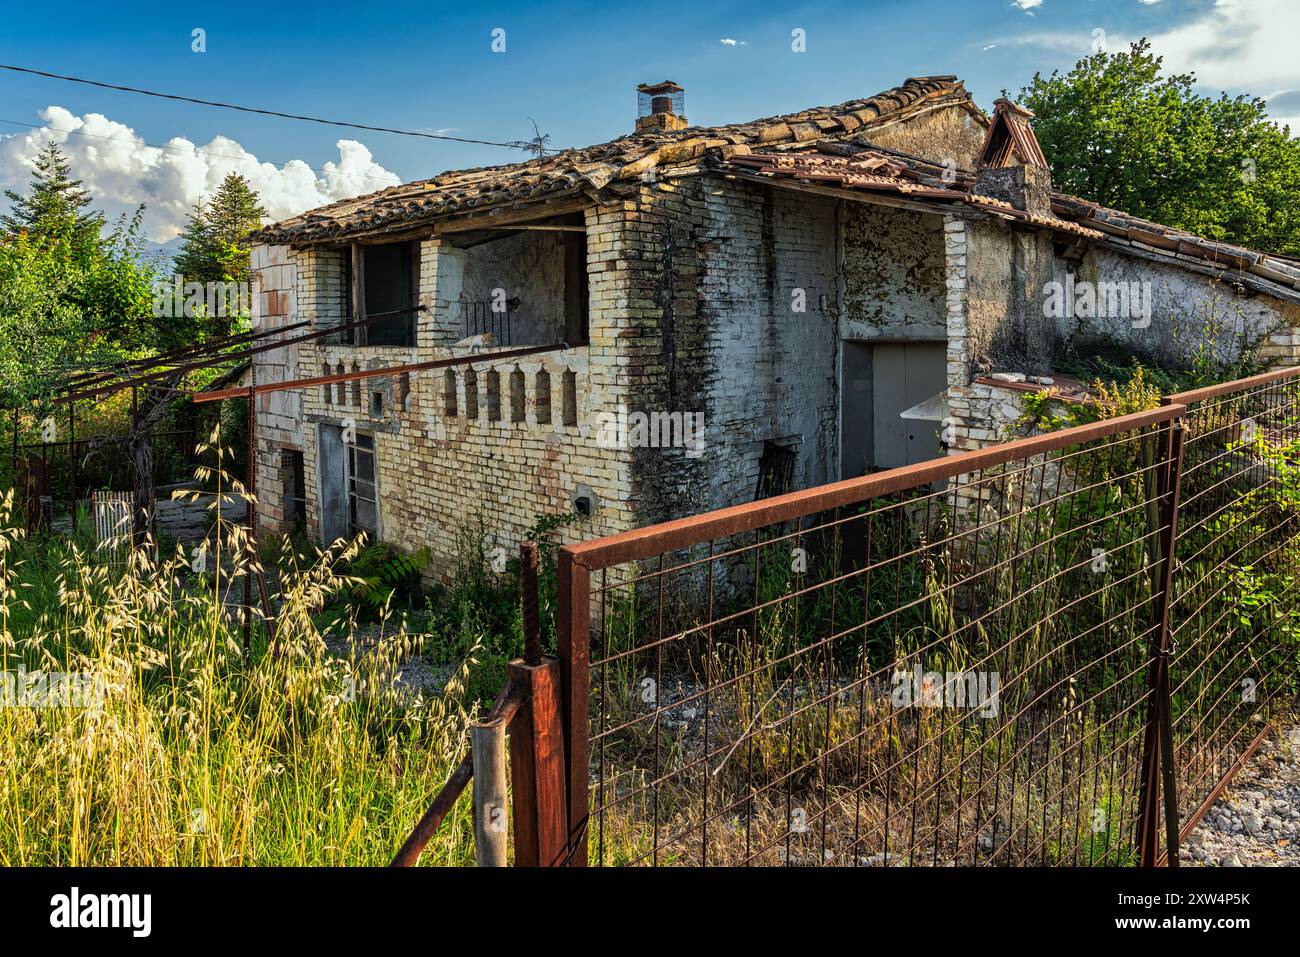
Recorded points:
(660, 106)
(1011, 164)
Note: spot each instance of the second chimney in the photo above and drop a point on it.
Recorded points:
(660, 106)
(1011, 165)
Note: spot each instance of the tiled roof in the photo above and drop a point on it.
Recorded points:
(1276, 276)
(593, 167)
(807, 147)
(878, 172)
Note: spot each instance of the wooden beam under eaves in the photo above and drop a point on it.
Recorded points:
(506, 216)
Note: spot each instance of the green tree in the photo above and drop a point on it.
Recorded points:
(1119, 132)
(72, 293)
(56, 208)
(215, 242)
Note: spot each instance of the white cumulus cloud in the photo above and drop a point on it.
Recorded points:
(121, 171)
(1241, 45)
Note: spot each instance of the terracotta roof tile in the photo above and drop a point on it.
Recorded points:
(591, 167)
(875, 171)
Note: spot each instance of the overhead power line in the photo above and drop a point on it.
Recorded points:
(182, 149)
(513, 144)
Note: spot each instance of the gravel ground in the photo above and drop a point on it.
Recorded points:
(1256, 822)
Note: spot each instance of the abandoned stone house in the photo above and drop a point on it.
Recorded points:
(788, 302)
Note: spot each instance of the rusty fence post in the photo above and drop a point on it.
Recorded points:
(72, 461)
(573, 623)
(537, 751)
(1159, 778)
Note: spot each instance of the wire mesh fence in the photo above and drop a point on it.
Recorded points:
(972, 661)
(1234, 619)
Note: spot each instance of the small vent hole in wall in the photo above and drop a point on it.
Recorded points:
(542, 386)
(376, 403)
(584, 501)
(325, 395)
(494, 395)
(570, 410)
(517, 401)
(356, 387)
(404, 391)
(340, 388)
(449, 393)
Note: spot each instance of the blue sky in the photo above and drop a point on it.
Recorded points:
(571, 67)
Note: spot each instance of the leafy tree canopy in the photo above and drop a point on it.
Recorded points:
(1119, 132)
(71, 292)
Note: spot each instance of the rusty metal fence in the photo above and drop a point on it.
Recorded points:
(1234, 614)
(986, 659)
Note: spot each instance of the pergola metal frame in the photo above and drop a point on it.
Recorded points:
(174, 364)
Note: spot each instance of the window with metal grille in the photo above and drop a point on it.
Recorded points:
(363, 498)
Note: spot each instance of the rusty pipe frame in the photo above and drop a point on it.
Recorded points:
(1192, 396)
(408, 855)
(378, 373)
(96, 393)
(115, 370)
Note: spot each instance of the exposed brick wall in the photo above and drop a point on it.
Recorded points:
(446, 480)
(720, 273)
(978, 414)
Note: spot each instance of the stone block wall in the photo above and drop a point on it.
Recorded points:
(1187, 313)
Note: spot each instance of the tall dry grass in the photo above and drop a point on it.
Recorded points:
(197, 752)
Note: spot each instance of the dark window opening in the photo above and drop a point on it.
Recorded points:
(542, 387)
(382, 279)
(775, 470)
(577, 296)
(518, 401)
(363, 499)
(449, 393)
(348, 335)
(376, 403)
(295, 489)
(493, 395)
(471, 394)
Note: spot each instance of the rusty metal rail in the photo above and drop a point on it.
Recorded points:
(359, 375)
(1233, 609)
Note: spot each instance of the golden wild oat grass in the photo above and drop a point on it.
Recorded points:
(196, 752)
